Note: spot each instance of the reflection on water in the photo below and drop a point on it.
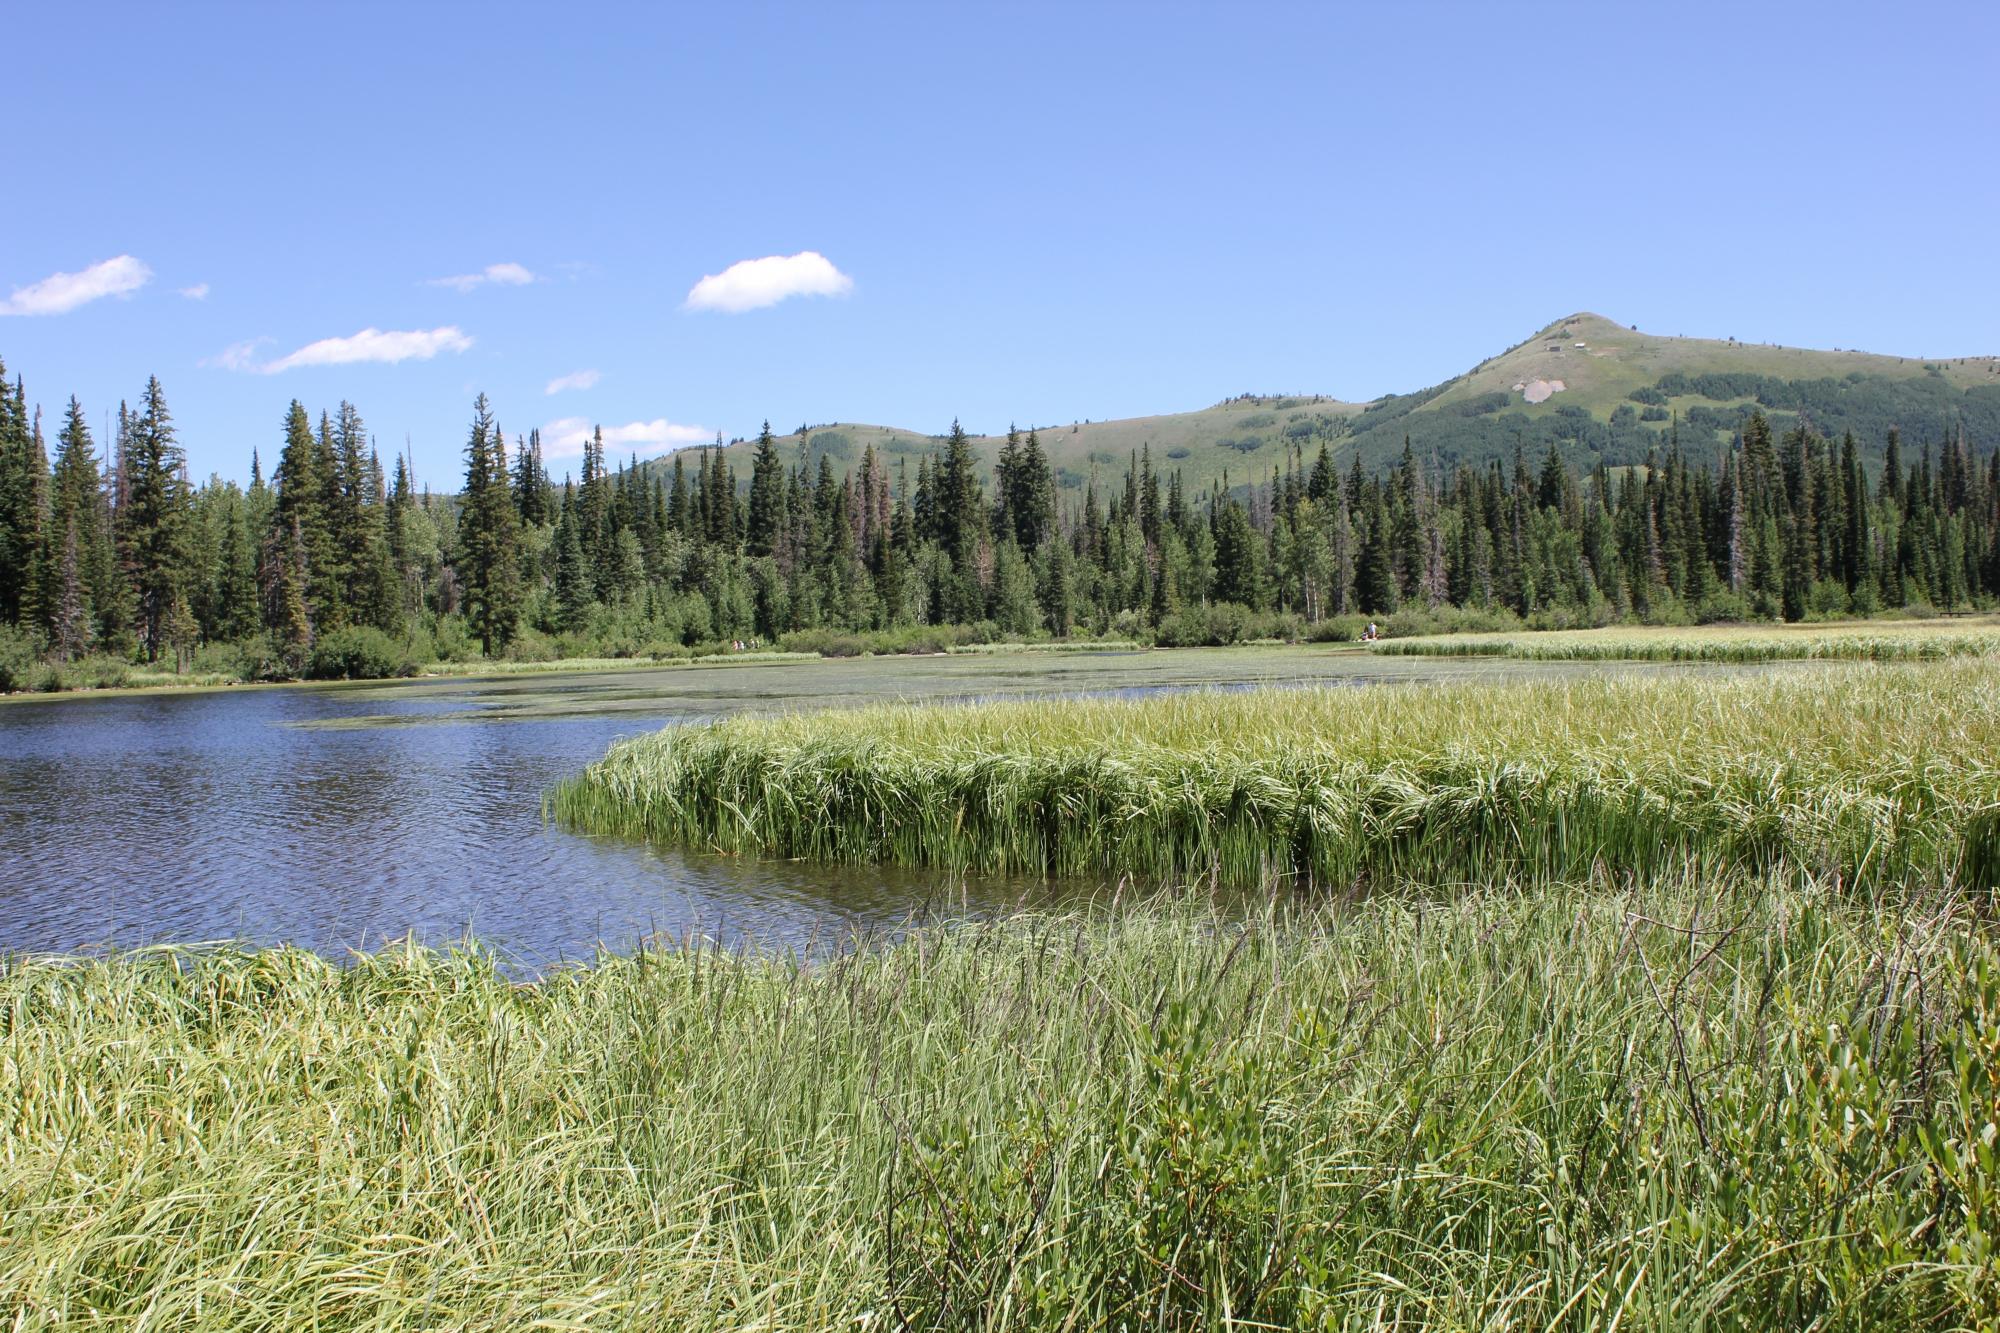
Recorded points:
(339, 817)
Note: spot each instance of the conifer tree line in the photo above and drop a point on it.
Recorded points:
(336, 565)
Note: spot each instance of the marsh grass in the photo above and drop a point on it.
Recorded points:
(1860, 641)
(1582, 1108)
(1873, 775)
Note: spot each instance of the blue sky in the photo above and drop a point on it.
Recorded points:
(1023, 213)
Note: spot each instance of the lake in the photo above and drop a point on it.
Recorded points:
(342, 816)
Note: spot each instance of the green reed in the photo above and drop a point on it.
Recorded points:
(1870, 775)
(1830, 648)
(1576, 1108)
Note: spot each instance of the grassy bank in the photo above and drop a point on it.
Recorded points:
(1859, 641)
(1580, 1109)
(1873, 775)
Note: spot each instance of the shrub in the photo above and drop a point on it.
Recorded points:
(1722, 606)
(531, 645)
(453, 641)
(1416, 620)
(1336, 629)
(825, 642)
(1827, 600)
(20, 658)
(221, 659)
(97, 671)
(913, 639)
(358, 652)
(1208, 626)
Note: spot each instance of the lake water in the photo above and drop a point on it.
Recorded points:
(339, 817)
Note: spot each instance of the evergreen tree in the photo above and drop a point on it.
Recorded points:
(767, 497)
(489, 536)
(302, 523)
(69, 631)
(236, 578)
(76, 508)
(531, 482)
(1235, 554)
(152, 522)
(23, 505)
(572, 579)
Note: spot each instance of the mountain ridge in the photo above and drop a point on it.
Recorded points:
(1600, 392)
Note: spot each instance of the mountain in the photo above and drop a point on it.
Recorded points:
(1601, 392)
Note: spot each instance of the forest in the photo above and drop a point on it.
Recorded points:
(335, 565)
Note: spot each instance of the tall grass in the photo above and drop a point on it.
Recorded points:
(1872, 776)
(1577, 1109)
(1853, 643)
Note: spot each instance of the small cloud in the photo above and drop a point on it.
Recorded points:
(754, 283)
(60, 293)
(505, 275)
(198, 292)
(369, 345)
(236, 356)
(580, 379)
(565, 438)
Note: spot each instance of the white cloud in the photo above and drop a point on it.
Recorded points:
(198, 292)
(506, 275)
(565, 438)
(236, 356)
(60, 293)
(580, 379)
(752, 284)
(369, 345)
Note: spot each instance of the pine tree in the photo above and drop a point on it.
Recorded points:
(236, 578)
(301, 522)
(1235, 555)
(767, 497)
(531, 483)
(76, 507)
(285, 595)
(489, 536)
(69, 632)
(23, 505)
(152, 523)
(572, 579)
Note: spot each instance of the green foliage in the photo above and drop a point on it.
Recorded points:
(20, 658)
(358, 652)
(1783, 522)
(1222, 623)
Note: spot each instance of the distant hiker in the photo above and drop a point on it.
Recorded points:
(1370, 634)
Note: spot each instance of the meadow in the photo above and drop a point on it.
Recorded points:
(1593, 1106)
(1874, 775)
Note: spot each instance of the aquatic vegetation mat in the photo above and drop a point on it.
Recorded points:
(1869, 774)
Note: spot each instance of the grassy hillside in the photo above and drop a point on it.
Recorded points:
(1609, 393)
(1622, 392)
